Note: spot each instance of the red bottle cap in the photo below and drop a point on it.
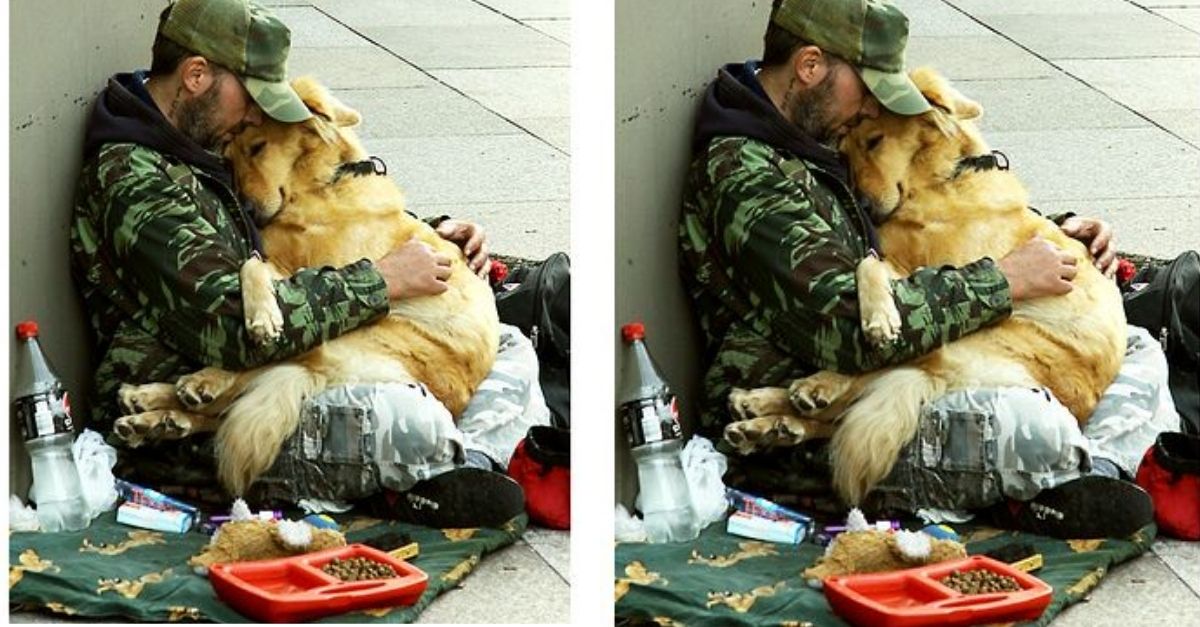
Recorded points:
(498, 272)
(633, 331)
(27, 329)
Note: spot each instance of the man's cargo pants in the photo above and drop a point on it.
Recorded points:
(976, 447)
(354, 440)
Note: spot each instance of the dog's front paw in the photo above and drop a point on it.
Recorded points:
(198, 389)
(876, 301)
(747, 404)
(260, 309)
(882, 325)
(264, 323)
(135, 399)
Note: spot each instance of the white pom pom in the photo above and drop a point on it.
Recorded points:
(240, 511)
(913, 546)
(295, 536)
(855, 521)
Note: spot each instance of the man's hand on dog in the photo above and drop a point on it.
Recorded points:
(414, 269)
(471, 239)
(1097, 235)
(1038, 268)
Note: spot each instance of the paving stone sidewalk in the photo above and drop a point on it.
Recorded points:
(1097, 105)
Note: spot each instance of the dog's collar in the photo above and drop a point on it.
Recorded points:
(367, 167)
(995, 160)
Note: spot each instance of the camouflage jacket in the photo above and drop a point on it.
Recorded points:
(157, 241)
(770, 236)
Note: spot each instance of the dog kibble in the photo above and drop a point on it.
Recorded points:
(980, 582)
(358, 569)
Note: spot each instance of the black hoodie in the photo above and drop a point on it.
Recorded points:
(122, 114)
(735, 105)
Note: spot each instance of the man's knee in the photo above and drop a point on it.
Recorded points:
(400, 422)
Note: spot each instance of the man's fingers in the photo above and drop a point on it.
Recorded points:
(442, 272)
(441, 260)
(1068, 271)
(448, 229)
(1100, 242)
(475, 242)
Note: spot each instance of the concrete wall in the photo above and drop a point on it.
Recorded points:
(61, 54)
(666, 53)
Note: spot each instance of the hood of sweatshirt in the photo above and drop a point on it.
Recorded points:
(736, 105)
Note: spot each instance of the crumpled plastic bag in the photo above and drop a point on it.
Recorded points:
(704, 466)
(94, 460)
(21, 517)
(629, 528)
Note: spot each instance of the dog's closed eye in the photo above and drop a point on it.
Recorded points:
(256, 148)
(873, 142)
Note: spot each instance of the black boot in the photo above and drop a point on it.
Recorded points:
(1089, 507)
(461, 498)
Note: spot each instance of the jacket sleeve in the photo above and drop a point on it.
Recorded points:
(183, 264)
(795, 257)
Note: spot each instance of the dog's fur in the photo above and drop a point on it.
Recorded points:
(932, 216)
(313, 218)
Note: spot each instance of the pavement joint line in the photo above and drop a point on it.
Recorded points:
(1195, 592)
(500, 67)
(442, 82)
(513, 18)
(1127, 58)
(499, 202)
(1054, 65)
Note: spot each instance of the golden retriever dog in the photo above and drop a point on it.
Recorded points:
(933, 211)
(313, 214)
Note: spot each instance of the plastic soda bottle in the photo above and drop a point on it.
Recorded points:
(43, 409)
(650, 416)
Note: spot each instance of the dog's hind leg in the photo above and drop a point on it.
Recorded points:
(822, 394)
(135, 399)
(162, 424)
(747, 404)
(211, 390)
(767, 432)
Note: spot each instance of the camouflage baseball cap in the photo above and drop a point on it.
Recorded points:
(870, 34)
(245, 38)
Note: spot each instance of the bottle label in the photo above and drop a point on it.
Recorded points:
(649, 420)
(43, 414)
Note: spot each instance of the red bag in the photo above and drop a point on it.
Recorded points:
(542, 465)
(1170, 472)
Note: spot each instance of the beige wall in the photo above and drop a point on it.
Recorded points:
(60, 54)
(666, 53)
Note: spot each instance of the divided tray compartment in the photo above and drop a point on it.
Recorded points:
(913, 597)
(295, 589)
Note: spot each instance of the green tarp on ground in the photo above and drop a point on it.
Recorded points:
(111, 570)
(719, 579)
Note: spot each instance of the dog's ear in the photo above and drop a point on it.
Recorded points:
(322, 103)
(940, 94)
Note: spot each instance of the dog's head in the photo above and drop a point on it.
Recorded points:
(275, 160)
(894, 155)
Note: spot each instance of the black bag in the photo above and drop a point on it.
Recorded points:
(1169, 307)
(540, 305)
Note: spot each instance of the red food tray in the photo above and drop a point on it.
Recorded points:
(908, 598)
(295, 589)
